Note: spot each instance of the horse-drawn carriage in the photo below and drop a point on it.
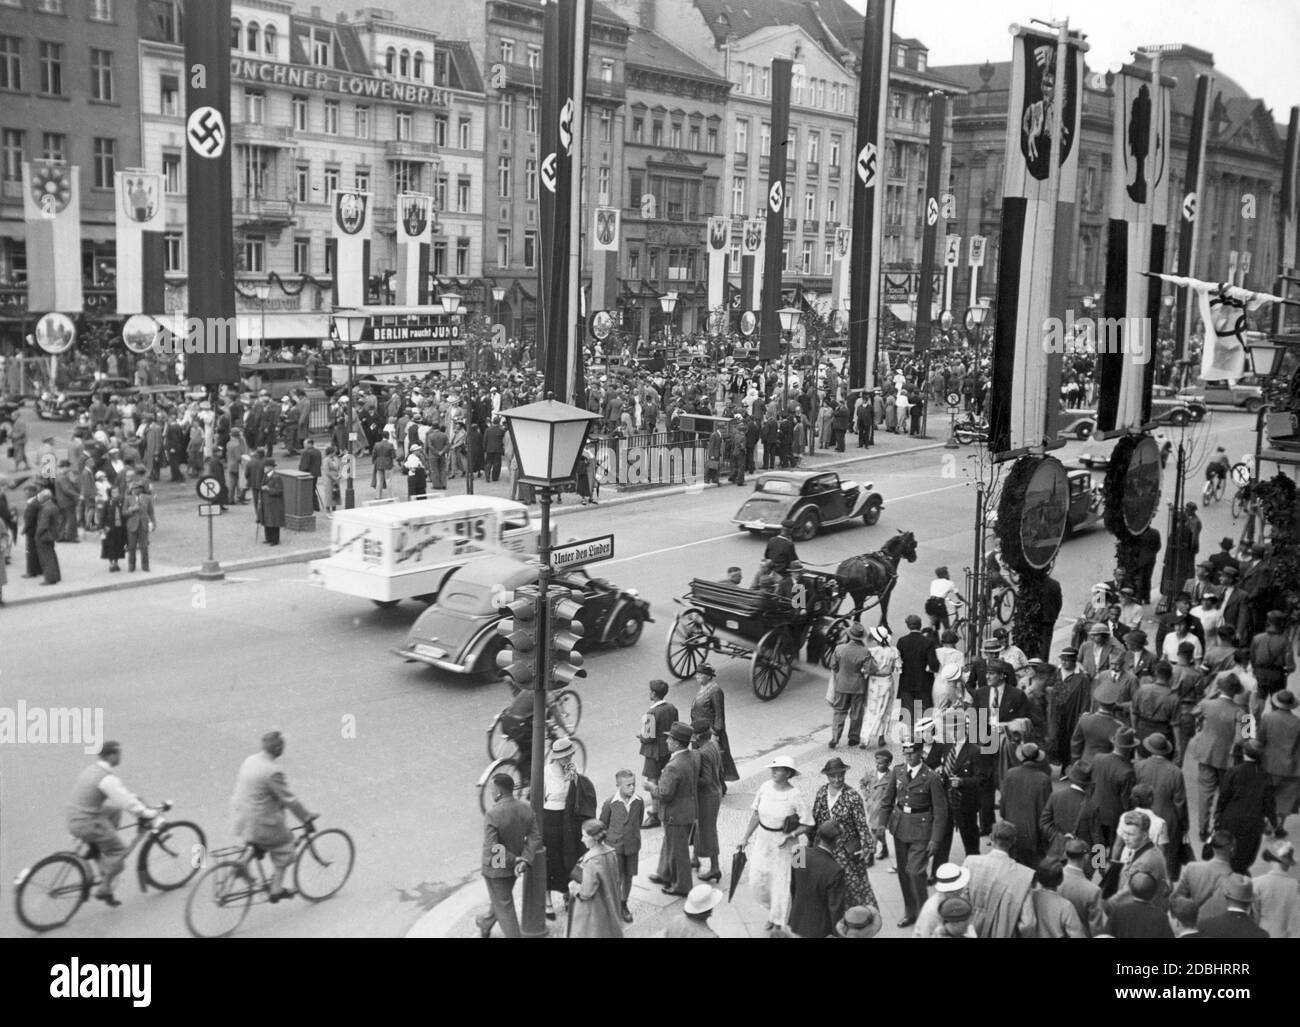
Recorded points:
(770, 629)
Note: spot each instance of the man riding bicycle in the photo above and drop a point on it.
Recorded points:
(261, 797)
(517, 725)
(1219, 467)
(94, 811)
(944, 598)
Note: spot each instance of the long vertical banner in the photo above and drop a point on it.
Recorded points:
(933, 188)
(1135, 243)
(210, 240)
(751, 264)
(1288, 245)
(719, 241)
(869, 194)
(414, 240)
(52, 210)
(840, 270)
(1189, 225)
(140, 246)
(604, 258)
(574, 375)
(351, 241)
(1042, 124)
(769, 324)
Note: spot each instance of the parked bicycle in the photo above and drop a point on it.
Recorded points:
(49, 893)
(221, 897)
(565, 706)
(519, 770)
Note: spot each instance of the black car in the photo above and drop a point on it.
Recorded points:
(811, 499)
(74, 399)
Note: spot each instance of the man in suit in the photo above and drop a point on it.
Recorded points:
(1000, 889)
(1245, 803)
(953, 756)
(708, 797)
(384, 454)
(1137, 916)
(1095, 654)
(780, 548)
(1212, 746)
(1236, 922)
(1279, 733)
(998, 702)
(850, 686)
(1168, 793)
(1182, 917)
(919, 664)
(1199, 881)
(1133, 849)
(1233, 600)
(47, 533)
(261, 796)
(1094, 731)
(138, 518)
(494, 447)
(510, 841)
(1026, 788)
(1082, 893)
(1054, 915)
(1112, 783)
(1069, 812)
(1255, 578)
(309, 463)
(916, 810)
(676, 792)
(1224, 558)
(621, 814)
(1180, 615)
(819, 887)
(654, 743)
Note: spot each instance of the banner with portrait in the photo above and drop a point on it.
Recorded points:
(140, 217)
(350, 238)
(414, 240)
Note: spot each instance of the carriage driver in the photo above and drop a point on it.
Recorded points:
(780, 548)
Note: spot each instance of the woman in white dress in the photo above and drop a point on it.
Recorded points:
(780, 819)
(880, 687)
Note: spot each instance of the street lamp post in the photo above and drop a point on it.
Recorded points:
(976, 316)
(451, 306)
(547, 439)
(263, 293)
(350, 325)
(668, 303)
(790, 317)
(498, 297)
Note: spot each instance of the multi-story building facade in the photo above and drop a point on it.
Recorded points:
(508, 36)
(69, 91)
(317, 106)
(676, 128)
(1244, 150)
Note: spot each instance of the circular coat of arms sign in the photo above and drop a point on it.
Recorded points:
(748, 322)
(1141, 486)
(139, 333)
(55, 333)
(51, 188)
(1043, 513)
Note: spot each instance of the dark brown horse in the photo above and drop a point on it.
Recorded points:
(876, 574)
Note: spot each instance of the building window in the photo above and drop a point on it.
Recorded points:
(810, 206)
(255, 253)
(302, 183)
(171, 166)
(503, 177)
(462, 256)
(361, 181)
(693, 138)
(54, 146)
(748, 79)
(302, 256)
(602, 184)
(534, 57)
(764, 139)
(236, 34)
(439, 263)
(462, 133)
(734, 263)
(763, 82)
(440, 192)
(254, 106)
(173, 252)
(298, 113)
(390, 60)
(635, 187)
(440, 131)
(331, 117)
(606, 125)
(814, 147)
(900, 56)
(101, 10)
(652, 273)
(11, 147)
(785, 258)
(51, 61)
(320, 47)
(406, 179)
(253, 40)
(657, 134)
(503, 248)
(508, 51)
(101, 75)
(675, 137)
(638, 130)
(255, 171)
(439, 68)
(920, 60)
(331, 184)
(268, 40)
(329, 260)
(504, 106)
(833, 210)
(742, 135)
(462, 195)
(897, 159)
(711, 140)
(11, 65)
(737, 197)
(607, 71)
(530, 115)
(828, 259)
(105, 163)
(530, 179)
(634, 264)
(403, 125)
(897, 104)
(834, 152)
(417, 65)
(530, 249)
(50, 6)
(796, 88)
(362, 123)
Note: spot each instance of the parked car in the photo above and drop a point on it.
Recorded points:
(1245, 394)
(458, 633)
(74, 399)
(812, 499)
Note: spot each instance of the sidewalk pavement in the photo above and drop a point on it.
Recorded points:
(180, 544)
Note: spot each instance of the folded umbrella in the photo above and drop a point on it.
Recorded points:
(738, 862)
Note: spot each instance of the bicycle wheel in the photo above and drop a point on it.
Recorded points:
(324, 864)
(50, 893)
(1004, 606)
(504, 766)
(219, 901)
(1239, 503)
(171, 858)
(499, 746)
(579, 755)
(1207, 491)
(1220, 484)
(567, 710)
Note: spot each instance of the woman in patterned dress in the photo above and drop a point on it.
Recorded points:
(844, 805)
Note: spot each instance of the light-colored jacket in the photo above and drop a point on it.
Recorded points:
(261, 796)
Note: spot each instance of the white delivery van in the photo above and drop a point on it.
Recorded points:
(394, 551)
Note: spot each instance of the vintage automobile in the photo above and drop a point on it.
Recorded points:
(74, 399)
(1086, 507)
(458, 633)
(812, 499)
(1245, 394)
(1078, 423)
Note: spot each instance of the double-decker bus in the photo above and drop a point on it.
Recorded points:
(400, 342)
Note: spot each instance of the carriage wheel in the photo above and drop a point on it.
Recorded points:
(688, 643)
(771, 664)
(836, 633)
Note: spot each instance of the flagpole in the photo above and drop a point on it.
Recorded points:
(573, 342)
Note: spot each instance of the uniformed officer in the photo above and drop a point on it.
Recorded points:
(916, 811)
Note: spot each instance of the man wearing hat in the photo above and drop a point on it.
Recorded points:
(1066, 703)
(1094, 654)
(1239, 891)
(1159, 773)
(1219, 717)
(1081, 892)
(859, 922)
(708, 798)
(677, 793)
(847, 665)
(1246, 802)
(819, 886)
(955, 915)
(1272, 656)
(954, 756)
(1179, 621)
(1224, 558)
(1054, 915)
(693, 922)
(989, 650)
(1233, 600)
(1205, 583)
(1026, 787)
(998, 703)
(916, 811)
(1069, 812)
(46, 534)
(949, 879)
(1155, 706)
(1094, 731)
(98, 800)
(1112, 782)
(1137, 915)
(1255, 577)
(1276, 893)
(1279, 734)
(780, 548)
(918, 663)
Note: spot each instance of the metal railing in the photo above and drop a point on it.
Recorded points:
(657, 458)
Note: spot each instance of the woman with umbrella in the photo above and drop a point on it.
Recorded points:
(710, 704)
(845, 806)
(780, 817)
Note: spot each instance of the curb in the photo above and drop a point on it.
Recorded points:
(442, 917)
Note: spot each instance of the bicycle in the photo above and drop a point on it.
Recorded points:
(517, 770)
(49, 893)
(221, 897)
(1215, 485)
(565, 706)
(1242, 501)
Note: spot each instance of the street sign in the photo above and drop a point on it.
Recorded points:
(208, 487)
(954, 399)
(209, 509)
(977, 251)
(952, 251)
(1244, 267)
(582, 552)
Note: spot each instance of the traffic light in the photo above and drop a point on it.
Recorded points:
(565, 636)
(520, 631)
